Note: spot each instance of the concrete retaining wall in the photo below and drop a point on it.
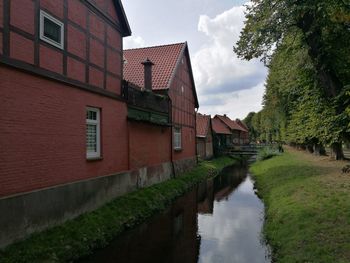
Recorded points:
(35, 211)
(184, 165)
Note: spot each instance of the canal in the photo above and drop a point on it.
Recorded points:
(219, 221)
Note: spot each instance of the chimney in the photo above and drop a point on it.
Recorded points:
(148, 73)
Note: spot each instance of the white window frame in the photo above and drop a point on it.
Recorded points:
(177, 138)
(97, 123)
(44, 15)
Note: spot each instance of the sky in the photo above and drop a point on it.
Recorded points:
(224, 83)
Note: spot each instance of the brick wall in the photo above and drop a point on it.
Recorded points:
(42, 129)
(149, 144)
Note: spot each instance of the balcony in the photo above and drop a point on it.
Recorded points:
(146, 106)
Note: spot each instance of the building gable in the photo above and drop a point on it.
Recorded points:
(232, 125)
(202, 125)
(168, 61)
(184, 62)
(219, 127)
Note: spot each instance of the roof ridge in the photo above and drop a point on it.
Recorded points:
(157, 46)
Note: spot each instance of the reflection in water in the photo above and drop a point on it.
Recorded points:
(232, 232)
(169, 237)
(226, 229)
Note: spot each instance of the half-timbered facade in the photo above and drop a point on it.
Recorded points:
(63, 130)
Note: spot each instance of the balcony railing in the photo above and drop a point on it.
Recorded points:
(144, 105)
(145, 99)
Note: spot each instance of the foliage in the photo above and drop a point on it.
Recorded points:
(81, 236)
(248, 121)
(304, 44)
(267, 153)
(307, 209)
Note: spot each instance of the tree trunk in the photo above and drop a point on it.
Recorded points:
(319, 150)
(337, 151)
(310, 148)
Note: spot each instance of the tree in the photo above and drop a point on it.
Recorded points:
(325, 29)
(248, 121)
(321, 29)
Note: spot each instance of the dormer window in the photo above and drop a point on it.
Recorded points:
(51, 30)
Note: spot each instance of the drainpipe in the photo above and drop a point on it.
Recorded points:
(171, 133)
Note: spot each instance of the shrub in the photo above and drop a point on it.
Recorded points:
(267, 153)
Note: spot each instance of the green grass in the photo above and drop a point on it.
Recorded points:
(90, 231)
(307, 209)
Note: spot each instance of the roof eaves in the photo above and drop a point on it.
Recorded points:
(124, 20)
(192, 79)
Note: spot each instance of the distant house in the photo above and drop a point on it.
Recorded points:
(221, 136)
(204, 136)
(171, 76)
(245, 133)
(238, 133)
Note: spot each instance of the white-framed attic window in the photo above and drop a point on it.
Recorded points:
(93, 127)
(51, 30)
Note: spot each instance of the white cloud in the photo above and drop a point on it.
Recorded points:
(133, 42)
(222, 77)
(236, 104)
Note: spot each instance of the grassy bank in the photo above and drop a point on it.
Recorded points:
(88, 232)
(307, 207)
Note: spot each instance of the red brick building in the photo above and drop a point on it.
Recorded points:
(239, 133)
(61, 67)
(70, 129)
(204, 136)
(64, 136)
(171, 76)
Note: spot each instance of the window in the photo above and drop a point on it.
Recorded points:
(51, 30)
(177, 138)
(93, 142)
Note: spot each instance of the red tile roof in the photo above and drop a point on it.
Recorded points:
(219, 127)
(242, 124)
(229, 123)
(165, 59)
(202, 125)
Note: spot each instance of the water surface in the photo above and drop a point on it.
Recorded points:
(232, 232)
(218, 221)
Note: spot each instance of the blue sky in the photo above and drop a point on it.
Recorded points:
(224, 83)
